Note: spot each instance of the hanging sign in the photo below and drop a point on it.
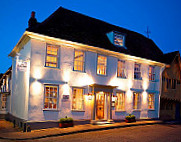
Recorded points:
(22, 66)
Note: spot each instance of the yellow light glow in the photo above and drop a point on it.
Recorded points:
(37, 73)
(66, 75)
(66, 89)
(36, 88)
(145, 85)
(84, 80)
(144, 96)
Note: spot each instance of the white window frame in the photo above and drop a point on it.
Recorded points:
(57, 56)
(137, 71)
(118, 35)
(3, 101)
(83, 62)
(138, 107)
(152, 73)
(152, 101)
(121, 71)
(98, 64)
(122, 101)
(49, 97)
(76, 109)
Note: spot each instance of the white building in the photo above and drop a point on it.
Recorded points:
(76, 66)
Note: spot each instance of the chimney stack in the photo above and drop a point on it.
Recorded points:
(32, 21)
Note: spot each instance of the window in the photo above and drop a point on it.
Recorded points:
(136, 100)
(79, 60)
(101, 65)
(3, 101)
(137, 71)
(121, 69)
(120, 105)
(118, 39)
(151, 101)
(77, 101)
(51, 95)
(51, 56)
(151, 73)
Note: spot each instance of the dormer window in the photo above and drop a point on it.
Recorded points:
(118, 39)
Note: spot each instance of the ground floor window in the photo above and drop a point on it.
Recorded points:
(151, 101)
(3, 101)
(77, 100)
(120, 105)
(50, 99)
(136, 100)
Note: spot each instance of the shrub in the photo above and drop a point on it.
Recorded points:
(66, 120)
(130, 117)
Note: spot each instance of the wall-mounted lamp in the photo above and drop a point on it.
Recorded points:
(89, 96)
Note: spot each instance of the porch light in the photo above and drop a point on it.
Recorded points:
(89, 96)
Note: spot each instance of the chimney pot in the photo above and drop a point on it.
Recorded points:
(32, 21)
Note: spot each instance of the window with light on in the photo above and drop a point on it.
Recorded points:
(121, 69)
(151, 73)
(136, 100)
(79, 61)
(151, 101)
(50, 99)
(51, 56)
(101, 65)
(118, 39)
(120, 104)
(77, 100)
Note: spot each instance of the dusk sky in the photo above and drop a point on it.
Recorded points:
(162, 16)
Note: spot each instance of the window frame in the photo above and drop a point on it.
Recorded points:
(83, 106)
(152, 74)
(115, 33)
(140, 78)
(123, 69)
(124, 101)
(97, 65)
(51, 85)
(139, 101)
(83, 61)
(57, 57)
(3, 102)
(151, 101)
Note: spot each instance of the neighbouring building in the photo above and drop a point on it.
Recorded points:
(5, 90)
(170, 105)
(77, 66)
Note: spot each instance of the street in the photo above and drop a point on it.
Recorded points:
(149, 133)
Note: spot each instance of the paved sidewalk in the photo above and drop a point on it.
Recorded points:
(11, 133)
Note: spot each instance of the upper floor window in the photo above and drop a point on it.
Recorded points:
(101, 64)
(51, 56)
(151, 73)
(136, 100)
(51, 95)
(77, 101)
(120, 105)
(121, 69)
(137, 71)
(151, 101)
(118, 39)
(79, 60)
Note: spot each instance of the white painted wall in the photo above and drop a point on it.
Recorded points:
(20, 85)
(40, 75)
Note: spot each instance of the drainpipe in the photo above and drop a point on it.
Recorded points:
(160, 90)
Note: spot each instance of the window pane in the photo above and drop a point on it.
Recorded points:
(101, 65)
(77, 99)
(137, 71)
(79, 60)
(151, 73)
(120, 104)
(118, 39)
(121, 69)
(136, 100)
(52, 56)
(50, 97)
(151, 101)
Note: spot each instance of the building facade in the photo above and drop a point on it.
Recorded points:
(171, 88)
(87, 72)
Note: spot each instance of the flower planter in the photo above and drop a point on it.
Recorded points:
(64, 125)
(130, 120)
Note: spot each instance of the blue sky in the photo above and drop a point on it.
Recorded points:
(162, 16)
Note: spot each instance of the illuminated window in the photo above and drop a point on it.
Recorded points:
(101, 65)
(118, 39)
(3, 101)
(136, 100)
(121, 69)
(137, 71)
(79, 61)
(151, 73)
(151, 101)
(77, 100)
(51, 95)
(52, 56)
(120, 105)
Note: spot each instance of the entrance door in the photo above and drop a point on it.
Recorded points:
(100, 105)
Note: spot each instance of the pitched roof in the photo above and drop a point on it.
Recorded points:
(73, 26)
(169, 57)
